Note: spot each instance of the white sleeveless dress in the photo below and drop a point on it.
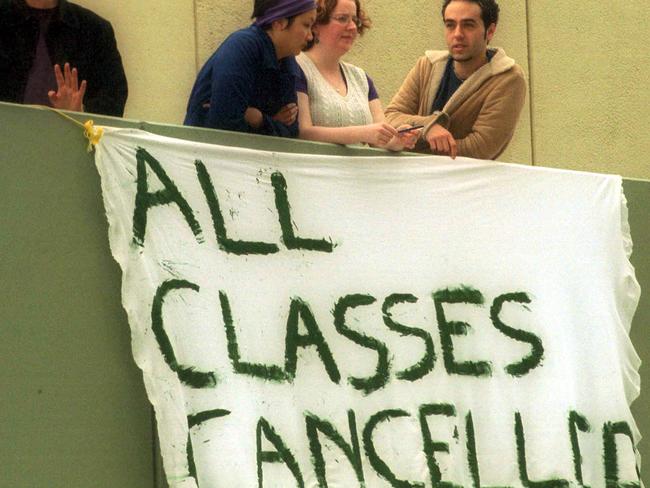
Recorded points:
(328, 107)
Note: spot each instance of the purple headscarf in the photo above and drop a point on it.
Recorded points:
(284, 9)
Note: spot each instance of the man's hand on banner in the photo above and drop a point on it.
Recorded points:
(441, 141)
(69, 94)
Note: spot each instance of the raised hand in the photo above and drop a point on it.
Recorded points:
(69, 94)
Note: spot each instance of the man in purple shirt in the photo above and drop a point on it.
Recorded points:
(56, 53)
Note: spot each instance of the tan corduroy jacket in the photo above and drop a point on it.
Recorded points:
(481, 115)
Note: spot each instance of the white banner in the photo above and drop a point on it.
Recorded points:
(320, 321)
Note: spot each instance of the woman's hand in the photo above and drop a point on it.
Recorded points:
(404, 140)
(287, 114)
(69, 94)
(378, 134)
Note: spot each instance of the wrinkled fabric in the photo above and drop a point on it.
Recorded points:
(303, 320)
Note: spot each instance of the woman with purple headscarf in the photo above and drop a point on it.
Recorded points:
(248, 84)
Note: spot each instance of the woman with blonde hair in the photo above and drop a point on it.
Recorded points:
(337, 101)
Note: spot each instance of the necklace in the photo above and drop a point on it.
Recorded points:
(335, 83)
(342, 90)
(333, 79)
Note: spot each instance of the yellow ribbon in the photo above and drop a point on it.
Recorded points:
(93, 134)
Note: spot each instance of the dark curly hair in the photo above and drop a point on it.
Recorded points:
(324, 12)
(489, 10)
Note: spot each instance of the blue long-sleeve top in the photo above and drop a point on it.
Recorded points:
(244, 72)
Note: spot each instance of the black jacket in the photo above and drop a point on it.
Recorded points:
(76, 36)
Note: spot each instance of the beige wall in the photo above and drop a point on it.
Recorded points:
(590, 67)
(586, 62)
(158, 47)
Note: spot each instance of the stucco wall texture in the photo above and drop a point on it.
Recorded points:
(157, 41)
(587, 65)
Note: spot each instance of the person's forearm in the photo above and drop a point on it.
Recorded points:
(477, 145)
(338, 135)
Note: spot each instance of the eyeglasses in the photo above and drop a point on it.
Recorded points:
(344, 19)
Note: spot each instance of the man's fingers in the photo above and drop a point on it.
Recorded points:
(444, 143)
(441, 146)
(67, 75)
(453, 148)
(75, 79)
(59, 76)
(82, 90)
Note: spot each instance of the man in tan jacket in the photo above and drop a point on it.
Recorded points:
(467, 98)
